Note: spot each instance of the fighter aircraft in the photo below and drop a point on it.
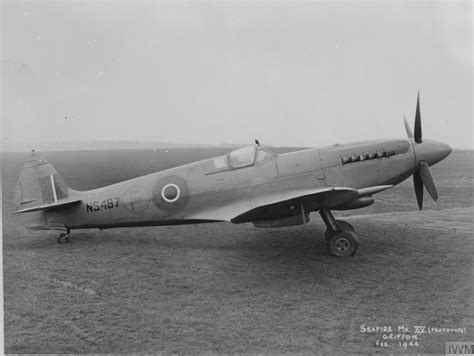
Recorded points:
(250, 184)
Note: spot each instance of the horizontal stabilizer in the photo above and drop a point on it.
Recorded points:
(48, 206)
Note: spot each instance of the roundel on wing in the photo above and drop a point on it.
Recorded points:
(170, 194)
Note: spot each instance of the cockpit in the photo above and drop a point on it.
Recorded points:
(242, 157)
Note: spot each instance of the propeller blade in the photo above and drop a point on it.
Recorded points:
(428, 180)
(418, 189)
(407, 128)
(418, 121)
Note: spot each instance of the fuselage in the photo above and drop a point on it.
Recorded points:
(194, 192)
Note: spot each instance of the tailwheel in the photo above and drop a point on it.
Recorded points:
(342, 243)
(342, 225)
(63, 237)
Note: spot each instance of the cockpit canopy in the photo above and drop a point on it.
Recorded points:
(242, 157)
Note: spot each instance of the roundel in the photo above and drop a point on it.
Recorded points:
(171, 194)
(136, 200)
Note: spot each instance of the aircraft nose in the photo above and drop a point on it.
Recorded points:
(432, 151)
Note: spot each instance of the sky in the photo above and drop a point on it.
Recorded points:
(287, 73)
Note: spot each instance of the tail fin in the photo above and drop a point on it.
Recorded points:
(40, 186)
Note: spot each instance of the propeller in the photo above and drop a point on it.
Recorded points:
(407, 127)
(428, 180)
(418, 121)
(422, 176)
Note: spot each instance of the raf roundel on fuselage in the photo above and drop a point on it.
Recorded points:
(171, 194)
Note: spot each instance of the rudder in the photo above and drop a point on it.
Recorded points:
(39, 183)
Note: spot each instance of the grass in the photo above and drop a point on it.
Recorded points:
(231, 288)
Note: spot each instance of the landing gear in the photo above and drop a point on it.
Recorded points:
(63, 237)
(341, 224)
(341, 239)
(342, 243)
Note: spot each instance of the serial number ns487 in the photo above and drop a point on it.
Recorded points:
(104, 205)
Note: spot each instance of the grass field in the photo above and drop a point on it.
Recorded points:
(233, 288)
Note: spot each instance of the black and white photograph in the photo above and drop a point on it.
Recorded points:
(237, 177)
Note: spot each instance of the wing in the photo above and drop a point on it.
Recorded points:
(282, 204)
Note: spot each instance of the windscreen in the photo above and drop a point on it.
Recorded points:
(242, 157)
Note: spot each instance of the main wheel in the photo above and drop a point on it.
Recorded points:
(342, 243)
(63, 237)
(342, 225)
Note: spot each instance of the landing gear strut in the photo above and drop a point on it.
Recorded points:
(63, 236)
(341, 239)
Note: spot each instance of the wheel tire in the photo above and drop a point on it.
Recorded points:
(342, 243)
(328, 249)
